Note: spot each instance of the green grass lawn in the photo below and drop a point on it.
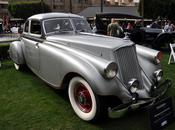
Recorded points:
(27, 103)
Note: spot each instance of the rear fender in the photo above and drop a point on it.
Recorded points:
(16, 53)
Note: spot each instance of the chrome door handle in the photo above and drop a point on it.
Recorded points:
(37, 45)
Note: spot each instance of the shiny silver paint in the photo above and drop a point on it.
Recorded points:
(17, 53)
(57, 57)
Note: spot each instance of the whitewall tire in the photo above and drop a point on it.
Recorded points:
(83, 100)
(17, 67)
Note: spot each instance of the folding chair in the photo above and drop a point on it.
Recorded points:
(172, 54)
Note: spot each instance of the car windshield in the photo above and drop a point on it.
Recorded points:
(81, 25)
(57, 26)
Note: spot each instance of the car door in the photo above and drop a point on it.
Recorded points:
(31, 40)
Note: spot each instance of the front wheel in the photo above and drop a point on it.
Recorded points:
(84, 101)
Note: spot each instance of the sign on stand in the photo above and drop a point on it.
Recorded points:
(161, 114)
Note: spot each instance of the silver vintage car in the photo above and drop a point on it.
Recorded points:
(103, 75)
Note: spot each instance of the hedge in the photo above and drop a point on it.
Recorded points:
(27, 9)
(4, 51)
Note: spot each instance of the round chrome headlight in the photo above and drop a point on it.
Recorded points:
(111, 70)
(133, 85)
(158, 75)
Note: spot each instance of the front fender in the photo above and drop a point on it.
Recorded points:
(91, 68)
(16, 53)
(65, 60)
(146, 57)
(92, 75)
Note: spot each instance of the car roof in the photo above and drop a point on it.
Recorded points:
(53, 15)
(117, 15)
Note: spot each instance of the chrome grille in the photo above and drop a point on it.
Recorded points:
(127, 61)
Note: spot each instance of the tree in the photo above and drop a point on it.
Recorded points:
(130, 1)
(27, 9)
(158, 8)
(70, 9)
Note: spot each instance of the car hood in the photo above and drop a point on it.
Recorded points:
(96, 44)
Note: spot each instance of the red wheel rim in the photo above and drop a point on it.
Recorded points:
(83, 98)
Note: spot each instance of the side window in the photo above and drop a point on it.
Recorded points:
(35, 27)
(26, 29)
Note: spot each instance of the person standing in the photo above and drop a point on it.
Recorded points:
(114, 29)
(129, 26)
(169, 27)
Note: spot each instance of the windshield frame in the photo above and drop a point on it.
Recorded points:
(54, 32)
(74, 30)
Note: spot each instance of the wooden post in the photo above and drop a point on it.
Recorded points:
(142, 8)
(102, 6)
(70, 6)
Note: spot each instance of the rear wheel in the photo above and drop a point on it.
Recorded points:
(17, 66)
(84, 101)
(20, 66)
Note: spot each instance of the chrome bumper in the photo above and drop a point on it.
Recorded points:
(120, 110)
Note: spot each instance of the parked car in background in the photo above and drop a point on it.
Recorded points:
(152, 37)
(102, 75)
(103, 20)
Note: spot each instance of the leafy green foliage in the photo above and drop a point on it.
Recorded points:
(27, 9)
(158, 8)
